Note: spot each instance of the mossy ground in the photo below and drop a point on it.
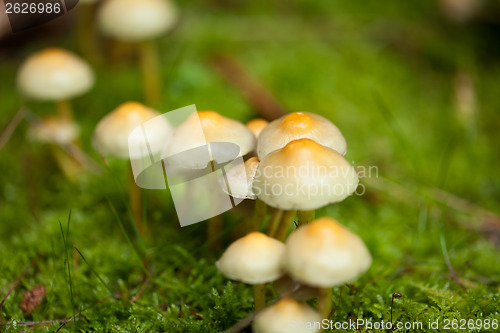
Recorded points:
(382, 71)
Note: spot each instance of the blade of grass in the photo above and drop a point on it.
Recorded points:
(65, 240)
(129, 241)
(95, 273)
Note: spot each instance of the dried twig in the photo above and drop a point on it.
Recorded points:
(14, 286)
(141, 291)
(76, 315)
(259, 97)
(7, 133)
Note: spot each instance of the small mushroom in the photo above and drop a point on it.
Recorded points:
(300, 125)
(140, 22)
(287, 316)
(55, 74)
(54, 130)
(303, 175)
(215, 128)
(325, 254)
(254, 259)
(59, 133)
(113, 137)
(256, 126)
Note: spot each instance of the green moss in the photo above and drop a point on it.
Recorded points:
(381, 71)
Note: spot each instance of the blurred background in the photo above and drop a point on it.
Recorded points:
(413, 86)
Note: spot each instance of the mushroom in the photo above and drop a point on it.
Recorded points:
(256, 126)
(115, 134)
(254, 259)
(300, 125)
(140, 22)
(287, 316)
(59, 133)
(55, 74)
(325, 254)
(303, 175)
(216, 128)
(209, 127)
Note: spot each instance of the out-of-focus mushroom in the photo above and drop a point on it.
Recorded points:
(325, 254)
(140, 22)
(287, 316)
(55, 74)
(256, 126)
(300, 125)
(254, 259)
(112, 137)
(59, 133)
(216, 128)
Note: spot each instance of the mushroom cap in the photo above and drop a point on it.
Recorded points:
(253, 259)
(112, 134)
(132, 20)
(54, 74)
(304, 175)
(215, 128)
(256, 126)
(235, 176)
(300, 125)
(287, 316)
(56, 130)
(323, 253)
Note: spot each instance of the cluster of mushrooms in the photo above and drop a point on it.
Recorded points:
(293, 166)
(298, 168)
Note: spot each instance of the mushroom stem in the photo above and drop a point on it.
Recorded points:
(258, 215)
(275, 222)
(259, 294)
(68, 165)
(214, 232)
(285, 224)
(150, 71)
(135, 196)
(305, 216)
(86, 35)
(325, 301)
(64, 109)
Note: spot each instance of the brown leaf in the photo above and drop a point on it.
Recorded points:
(32, 299)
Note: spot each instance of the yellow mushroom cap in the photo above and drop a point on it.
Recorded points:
(323, 254)
(56, 130)
(288, 316)
(133, 20)
(257, 125)
(111, 136)
(304, 175)
(253, 259)
(54, 74)
(215, 128)
(300, 125)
